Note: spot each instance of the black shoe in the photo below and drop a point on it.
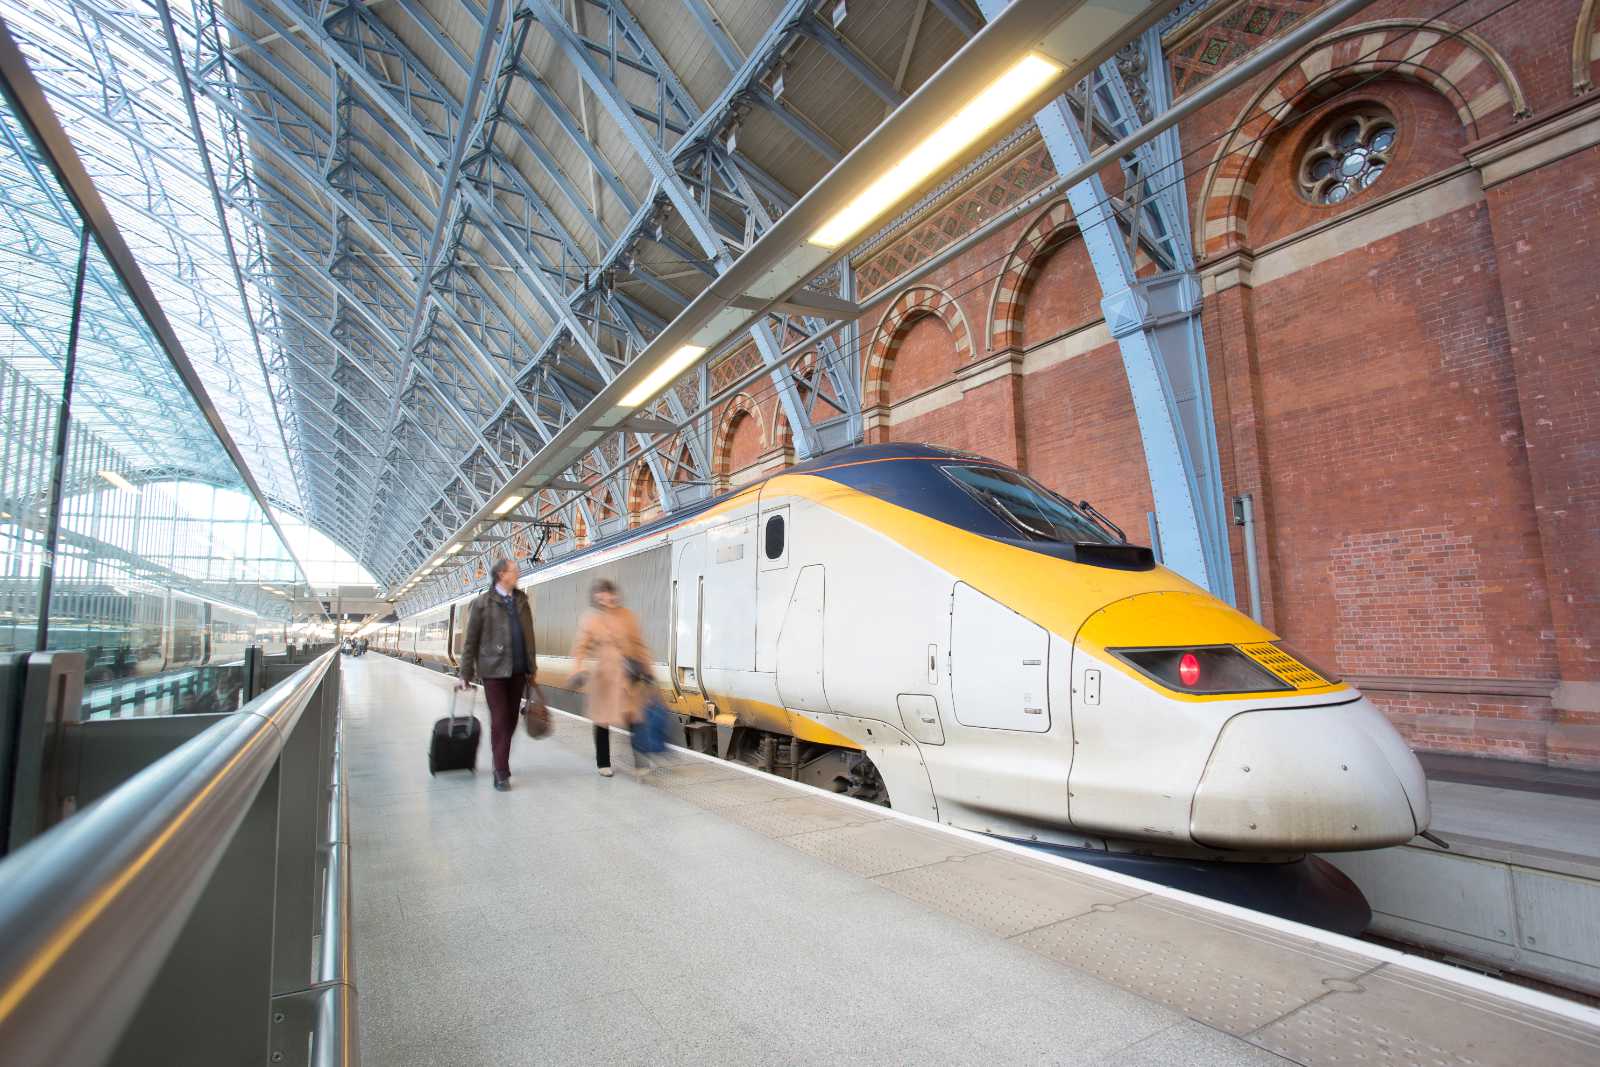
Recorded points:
(503, 784)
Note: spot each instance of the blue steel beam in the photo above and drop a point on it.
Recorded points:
(1166, 371)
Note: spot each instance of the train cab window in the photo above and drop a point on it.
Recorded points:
(773, 538)
(1026, 506)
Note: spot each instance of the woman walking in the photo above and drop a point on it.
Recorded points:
(499, 650)
(611, 658)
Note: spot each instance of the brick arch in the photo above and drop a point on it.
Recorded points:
(1586, 48)
(917, 302)
(1049, 230)
(643, 493)
(1456, 63)
(742, 406)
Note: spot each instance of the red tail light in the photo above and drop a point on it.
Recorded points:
(1202, 669)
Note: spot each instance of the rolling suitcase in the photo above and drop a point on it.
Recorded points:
(455, 741)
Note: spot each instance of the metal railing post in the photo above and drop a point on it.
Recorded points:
(325, 1010)
(252, 672)
(51, 696)
(302, 771)
(13, 679)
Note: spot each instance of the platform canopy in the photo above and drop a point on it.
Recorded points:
(450, 223)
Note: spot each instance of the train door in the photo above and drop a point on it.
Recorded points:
(999, 665)
(800, 684)
(688, 616)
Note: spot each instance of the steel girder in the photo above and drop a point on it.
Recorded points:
(1155, 321)
(419, 379)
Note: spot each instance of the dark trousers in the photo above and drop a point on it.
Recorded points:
(504, 697)
(602, 745)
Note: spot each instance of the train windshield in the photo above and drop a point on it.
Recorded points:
(1027, 506)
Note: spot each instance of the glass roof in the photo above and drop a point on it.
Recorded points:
(126, 118)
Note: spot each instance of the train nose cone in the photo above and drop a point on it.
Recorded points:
(1303, 779)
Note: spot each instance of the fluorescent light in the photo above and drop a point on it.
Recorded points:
(665, 371)
(118, 480)
(453, 549)
(991, 107)
(510, 503)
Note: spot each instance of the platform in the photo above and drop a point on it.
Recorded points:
(711, 915)
(1519, 887)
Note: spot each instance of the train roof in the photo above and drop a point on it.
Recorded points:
(872, 469)
(823, 465)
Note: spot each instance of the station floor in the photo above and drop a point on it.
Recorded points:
(703, 915)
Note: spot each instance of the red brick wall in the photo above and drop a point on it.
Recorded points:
(1083, 440)
(1546, 237)
(745, 443)
(926, 358)
(1063, 295)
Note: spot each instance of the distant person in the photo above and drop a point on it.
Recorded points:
(499, 651)
(612, 659)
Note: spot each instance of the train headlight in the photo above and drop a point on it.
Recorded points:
(1208, 669)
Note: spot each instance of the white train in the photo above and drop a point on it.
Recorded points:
(135, 633)
(934, 630)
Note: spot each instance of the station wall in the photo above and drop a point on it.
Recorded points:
(1406, 380)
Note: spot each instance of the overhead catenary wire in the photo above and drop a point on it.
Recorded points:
(1290, 112)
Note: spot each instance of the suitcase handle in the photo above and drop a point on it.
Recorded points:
(454, 693)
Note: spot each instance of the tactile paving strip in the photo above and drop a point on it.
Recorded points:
(999, 893)
(719, 795)
(792, 815)
(1222, 974)
(881, 847)
(1402, 1017)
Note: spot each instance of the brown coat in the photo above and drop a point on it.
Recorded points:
(486, 651)
(607, 639)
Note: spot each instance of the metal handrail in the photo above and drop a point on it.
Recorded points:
(335, 1035)
(90, 910)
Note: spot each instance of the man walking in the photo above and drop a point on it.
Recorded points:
(499, 651)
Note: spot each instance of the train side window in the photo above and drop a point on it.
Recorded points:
(775, 539)
(774, 536)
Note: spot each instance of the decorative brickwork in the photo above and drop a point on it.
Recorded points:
(909, 306)
(742, 406)
(1462, 67)
(1048, 231)
(1026, 170)
(1224, 33)
(643, 496)
(731, 367)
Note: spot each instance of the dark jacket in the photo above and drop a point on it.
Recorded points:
(487, 652)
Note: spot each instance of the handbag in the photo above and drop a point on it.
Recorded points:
(649, 735)
(535, 713)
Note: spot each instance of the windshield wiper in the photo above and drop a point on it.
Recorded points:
(1019, 522)
(1105, 523)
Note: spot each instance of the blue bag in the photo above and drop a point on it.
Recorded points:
(650, 734)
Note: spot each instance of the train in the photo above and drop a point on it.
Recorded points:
(131, 633)
(935, 631)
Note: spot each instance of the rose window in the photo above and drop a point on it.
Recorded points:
(1349, 156)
